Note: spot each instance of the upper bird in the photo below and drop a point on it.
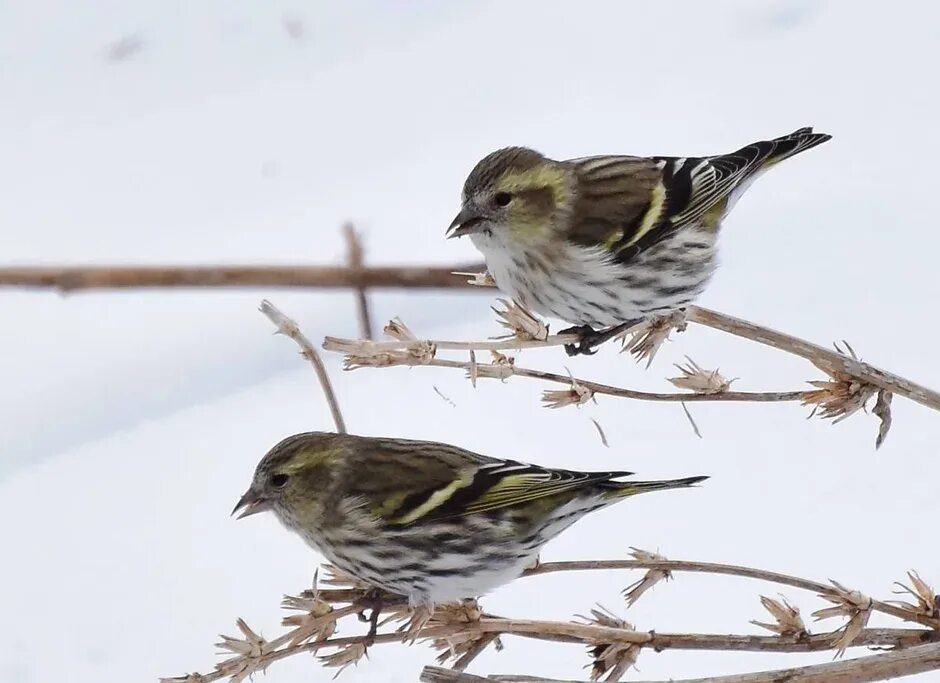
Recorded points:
(607, 241)
(422, 519)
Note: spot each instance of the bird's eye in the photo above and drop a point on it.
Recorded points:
(278, 481)
(502, 198)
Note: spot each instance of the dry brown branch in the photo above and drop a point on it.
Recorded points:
(363, 353)
(878, 667)
(77, 278)
(288, 327)
(355, 257)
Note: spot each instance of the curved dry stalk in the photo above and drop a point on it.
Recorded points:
(729, 570)
(815, 354)
(288, 327)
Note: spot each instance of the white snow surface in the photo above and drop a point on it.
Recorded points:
(130, 422)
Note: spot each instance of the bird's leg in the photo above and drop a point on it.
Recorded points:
(591, 338)
(373, 601)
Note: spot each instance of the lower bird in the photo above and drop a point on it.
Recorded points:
(422, 519)
(607, 242)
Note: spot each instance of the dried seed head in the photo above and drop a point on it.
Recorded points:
(646, 339)
(350, 654)
(249, 652)
(635, 590)
(459, 643)
(575, 395)
(523, 324)
(315, 621)
(846, 603)
(700, 381)
(610, 661)
(926, 601)
(787, 619)
(843, 395)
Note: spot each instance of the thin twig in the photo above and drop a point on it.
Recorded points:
(331, 344)
(288, 327)
(509, 343)
(878, 667)
(356, 260)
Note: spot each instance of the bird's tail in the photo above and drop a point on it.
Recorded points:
(790, 145)
(622, 489)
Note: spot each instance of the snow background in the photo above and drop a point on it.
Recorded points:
(130, 422)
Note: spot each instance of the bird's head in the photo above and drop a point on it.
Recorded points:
(293, 477)
(515, 194)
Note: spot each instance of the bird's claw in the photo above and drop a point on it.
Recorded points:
(590, 338)
(587, 340)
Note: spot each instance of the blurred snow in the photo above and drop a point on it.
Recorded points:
(235, 131)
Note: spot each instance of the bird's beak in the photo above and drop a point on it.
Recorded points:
(467, 222)
(251, 504)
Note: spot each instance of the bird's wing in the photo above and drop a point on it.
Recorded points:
(627, 204)
(414, 481)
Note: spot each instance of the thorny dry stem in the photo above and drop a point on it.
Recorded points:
(837, 397)
(288, 327)
(417, 352)
(461, 631)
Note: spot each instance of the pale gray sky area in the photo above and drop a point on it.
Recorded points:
(174, 132)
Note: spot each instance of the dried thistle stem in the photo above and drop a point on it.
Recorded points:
(728, 570)
(595, 387)
(815, 354)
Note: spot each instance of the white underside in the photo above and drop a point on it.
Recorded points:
(437, 589)
(584, 286)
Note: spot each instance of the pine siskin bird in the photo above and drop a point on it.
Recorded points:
(421, 519)
(608, 241)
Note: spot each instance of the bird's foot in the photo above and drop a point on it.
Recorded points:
(590, 338)
(373, 601)
(586, 335)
